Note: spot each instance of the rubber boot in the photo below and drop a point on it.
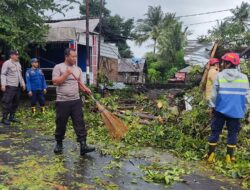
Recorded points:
(5, 120)
(229, 156)
(59, 147)
(13, 119)
(210, 156)
(33, 110)
(42, 109)
(84, 148)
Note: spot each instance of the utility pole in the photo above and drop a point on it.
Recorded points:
(99, 38)
(87, 42)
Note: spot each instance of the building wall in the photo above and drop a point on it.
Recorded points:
(109, 67)
(131, 78)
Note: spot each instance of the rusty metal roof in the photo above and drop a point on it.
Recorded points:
(197, 53)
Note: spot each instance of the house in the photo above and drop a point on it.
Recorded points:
(72, 33)
(195, 54)
(132, 71)
(109, 61)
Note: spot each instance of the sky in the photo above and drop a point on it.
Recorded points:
(137, 8)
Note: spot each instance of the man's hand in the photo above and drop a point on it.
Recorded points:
(3, 88)
(30, 93)
(69, 71)
(87, 90)
(44, 91)
(23, 88)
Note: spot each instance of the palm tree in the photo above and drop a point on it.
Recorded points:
(149, 28)
(241, 13)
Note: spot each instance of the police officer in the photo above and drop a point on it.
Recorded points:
(36, 85)
(68, 102)
(11, 84)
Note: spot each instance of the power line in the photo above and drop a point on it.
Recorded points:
(206, 13)
(205, 22)
(198, 23)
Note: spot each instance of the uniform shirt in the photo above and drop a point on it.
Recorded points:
(35, 80)
(212, 73)
(230, 94)
(11, 74)
(69, 89)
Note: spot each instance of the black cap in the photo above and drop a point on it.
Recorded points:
(34, 60)
(14, 52)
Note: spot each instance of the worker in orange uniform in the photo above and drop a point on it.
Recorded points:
(212, 73)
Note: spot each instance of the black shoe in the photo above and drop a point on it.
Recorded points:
(84, 148)
(59, 148)
(5, 120)
(12, 118)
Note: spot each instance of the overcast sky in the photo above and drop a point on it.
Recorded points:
(137, 8)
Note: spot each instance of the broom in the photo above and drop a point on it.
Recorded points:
(115, 126)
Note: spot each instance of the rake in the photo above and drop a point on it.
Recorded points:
(117, 129)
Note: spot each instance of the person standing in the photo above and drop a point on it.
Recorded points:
(212, 73)
(11, 84)
(36, 85)
(68, 102)
(229, 103)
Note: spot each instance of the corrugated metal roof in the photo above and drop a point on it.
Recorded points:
(109, 50)
(67, 30)
(197, 53)
(186, 69)
(128, 66)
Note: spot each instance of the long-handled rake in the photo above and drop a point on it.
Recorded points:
(115, 126)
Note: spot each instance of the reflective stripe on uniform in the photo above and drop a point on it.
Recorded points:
(222, 80)
(233, 93)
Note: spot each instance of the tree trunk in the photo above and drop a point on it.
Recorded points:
(154, 45)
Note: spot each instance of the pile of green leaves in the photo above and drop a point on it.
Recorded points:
(184, 133)
(166, 174)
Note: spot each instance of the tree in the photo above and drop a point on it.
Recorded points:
(22, 22)
(150, 27)
(171, 43)
(170, 55)
(94, 8)
(115, 29)
(232, 33)
(241, 13)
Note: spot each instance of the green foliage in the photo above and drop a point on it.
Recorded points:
(150, 27)
(115, 29)
(33, 173)
(94, 9)
(232, 33)
(184, 134)
(167, 174)
(169, 40)
(153, 75)
(245, 67)
(22, 22)
(170, 73)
